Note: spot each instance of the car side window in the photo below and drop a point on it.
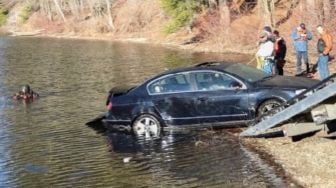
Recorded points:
(212, 81)
(170, 84)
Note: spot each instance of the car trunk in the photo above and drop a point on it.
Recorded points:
(118, 91)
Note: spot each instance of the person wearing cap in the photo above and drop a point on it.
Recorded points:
(301, 36)
(25, 94)
(324, 46)
(264, 54)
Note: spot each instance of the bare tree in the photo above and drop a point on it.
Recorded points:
(59, 9)
(289, 13)
(236, 4)
(109, 15)
(266, 10)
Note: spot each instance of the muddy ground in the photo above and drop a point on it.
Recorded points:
(311, 162)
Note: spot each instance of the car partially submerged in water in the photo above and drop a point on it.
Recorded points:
(210, 93)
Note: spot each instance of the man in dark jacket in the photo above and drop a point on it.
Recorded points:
(280, 50)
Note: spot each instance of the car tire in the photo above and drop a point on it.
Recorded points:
(146, 125)
(265, 107)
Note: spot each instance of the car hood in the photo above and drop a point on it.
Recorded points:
(289, 82)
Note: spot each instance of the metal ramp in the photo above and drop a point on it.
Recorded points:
(299, 104)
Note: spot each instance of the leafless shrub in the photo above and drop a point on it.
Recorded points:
(135, 16)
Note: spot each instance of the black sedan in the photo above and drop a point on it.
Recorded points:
(211, 93)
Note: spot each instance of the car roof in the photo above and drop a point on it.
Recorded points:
(214, 65)
(209, 65)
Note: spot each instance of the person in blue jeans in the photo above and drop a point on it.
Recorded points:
(324, 46)
(301, 36)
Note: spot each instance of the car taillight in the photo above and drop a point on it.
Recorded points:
(109, 106)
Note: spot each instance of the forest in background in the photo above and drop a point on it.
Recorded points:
(212, 25)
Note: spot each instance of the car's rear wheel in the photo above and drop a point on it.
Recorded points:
(267, 106)
(146, 125)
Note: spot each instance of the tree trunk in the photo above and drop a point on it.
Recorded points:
(225, 13)
(320, 11)
(236, 4)
(48, 10)
(59, 10)
(226, 16)
(327, 8)
(91, 5)
(109, 15)
(81, 4)
(266, 11)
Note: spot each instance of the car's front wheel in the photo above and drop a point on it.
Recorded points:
(267, 106)
(146, 125)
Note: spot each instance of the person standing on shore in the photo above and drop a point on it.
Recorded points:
(280, 50)
(264, 54)
(301, 36)
(324, 46)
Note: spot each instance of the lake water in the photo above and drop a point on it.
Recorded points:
(47, 144)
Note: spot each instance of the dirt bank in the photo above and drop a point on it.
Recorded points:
(310, 162)
(289, 68)
(221, 29)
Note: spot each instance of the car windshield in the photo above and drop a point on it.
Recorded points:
(249, 73)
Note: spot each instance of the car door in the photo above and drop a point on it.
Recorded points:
(172, 97)
(220, 97)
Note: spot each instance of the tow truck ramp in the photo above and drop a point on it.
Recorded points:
(319, 100)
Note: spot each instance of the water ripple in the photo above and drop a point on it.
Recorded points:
(46, 144)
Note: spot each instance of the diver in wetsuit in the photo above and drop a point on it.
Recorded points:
(25, 94)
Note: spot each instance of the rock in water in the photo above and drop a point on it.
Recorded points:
(127, 159)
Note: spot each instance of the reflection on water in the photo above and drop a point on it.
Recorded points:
(190, 158)
(46, 144)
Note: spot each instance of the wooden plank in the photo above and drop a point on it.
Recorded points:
(295, 129)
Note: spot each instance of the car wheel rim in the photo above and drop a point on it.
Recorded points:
(267, 108)
(147, 127)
